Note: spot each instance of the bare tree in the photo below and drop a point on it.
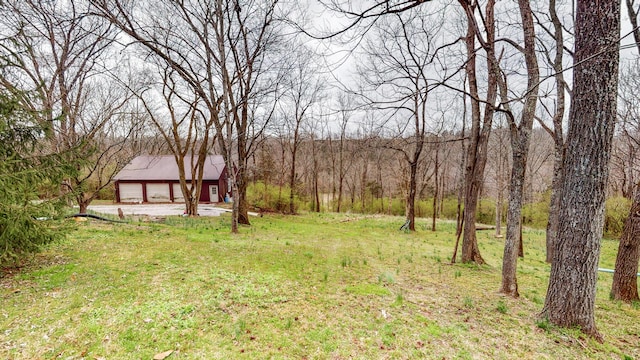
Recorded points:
(345, 111)
(304, 90)
(570, 299)
(555, 58)
(187, 134)
(520, 140)
(53, 51)
(220, 50)
(397, 76)
(480, 122)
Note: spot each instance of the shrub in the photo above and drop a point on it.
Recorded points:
(271, 198)
(616, 212)
(536, 215)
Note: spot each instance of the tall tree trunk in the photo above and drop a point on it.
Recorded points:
(292, 176)
(479, 136)
(570, 299)
(243, 205)
(500, 197)
(363, 185)
(520, 136)
(514, 223)
(625, 278)
(461, 183)
(316, 191)
(556, 133)
(411, 196)
(435, 192)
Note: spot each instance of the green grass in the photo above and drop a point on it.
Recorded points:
(316, 286)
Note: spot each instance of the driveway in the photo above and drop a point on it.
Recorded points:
(154, 209)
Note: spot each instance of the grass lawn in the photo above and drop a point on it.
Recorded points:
(315, 286)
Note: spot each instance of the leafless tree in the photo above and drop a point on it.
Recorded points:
(398, 83)
(481, 122)
(520, 136)
(220, 50)
(304, 89)
(186, 131)
(64, 60)
(555, 29)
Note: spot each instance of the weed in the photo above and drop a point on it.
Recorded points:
(502, 307)
(468, 302)
(346, 261)
(544, 324)
(457, 274)
(239, 328)
(386, 278)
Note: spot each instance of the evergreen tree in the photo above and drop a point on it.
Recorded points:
(31, 206)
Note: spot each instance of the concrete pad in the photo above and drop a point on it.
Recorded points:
(154, 209)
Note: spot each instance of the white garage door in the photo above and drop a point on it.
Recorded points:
(177, 193)
(130, 193)
(158, 193)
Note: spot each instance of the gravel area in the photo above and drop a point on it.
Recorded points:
(154, 209)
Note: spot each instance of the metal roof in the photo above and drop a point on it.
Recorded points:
(165, 167)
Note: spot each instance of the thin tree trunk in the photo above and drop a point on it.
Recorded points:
(83, 203)
(477, 151)
(554, 206)
(520, 136)
(556, 133)
(514, 218)
(411, 196)
(292, 175)
(570, 299)
(500, 199)
(625, 279)
(435, 192)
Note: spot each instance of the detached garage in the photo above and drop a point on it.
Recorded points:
(155, 179)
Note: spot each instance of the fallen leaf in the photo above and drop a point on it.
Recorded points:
(163, 355)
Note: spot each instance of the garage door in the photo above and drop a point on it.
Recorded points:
(158, 193)
(177, 193)
(130, 193)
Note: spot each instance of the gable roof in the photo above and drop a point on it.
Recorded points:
(165, 167)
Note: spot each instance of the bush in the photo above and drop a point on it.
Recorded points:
(266, 197)
(536, 215)
(486, 213)
(616, 213)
